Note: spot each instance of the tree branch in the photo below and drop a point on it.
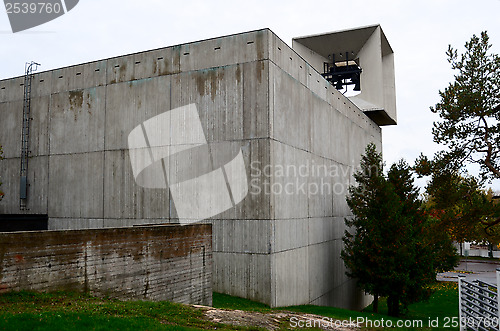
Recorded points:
(489, 225)
(489, 152)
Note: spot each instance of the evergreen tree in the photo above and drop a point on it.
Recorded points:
(470, 129)
(470, 110)
(390, 247)
(427, 249)
(369, 252)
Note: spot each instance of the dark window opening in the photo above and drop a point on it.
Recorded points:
(23, 222)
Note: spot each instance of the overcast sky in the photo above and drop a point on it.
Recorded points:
(418, 31)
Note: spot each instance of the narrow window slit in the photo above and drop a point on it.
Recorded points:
(160, 58)
(137, 62)
(187, 53)
(117, 66)
(78, 73)
(97, 70)
(249, 42)
(216, 48)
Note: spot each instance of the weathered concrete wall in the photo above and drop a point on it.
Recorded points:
(253, 93)
(319, 135)
(82, 116)
(143, 263)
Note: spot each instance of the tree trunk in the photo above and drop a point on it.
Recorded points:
(375, 303)
(389, 305)
(393, 305)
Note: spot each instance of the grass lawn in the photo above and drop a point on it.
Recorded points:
(436, 313)
(75, 311)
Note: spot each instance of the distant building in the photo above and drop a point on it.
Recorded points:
(242, 131)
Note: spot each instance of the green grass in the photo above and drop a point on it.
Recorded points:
(441, 307)
(76, 311)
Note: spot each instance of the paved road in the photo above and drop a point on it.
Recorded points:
(482, 270)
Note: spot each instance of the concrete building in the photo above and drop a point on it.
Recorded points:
(240, 131)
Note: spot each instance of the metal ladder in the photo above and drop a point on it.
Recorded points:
(25, 152)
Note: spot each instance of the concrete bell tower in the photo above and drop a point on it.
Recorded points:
(370, 49)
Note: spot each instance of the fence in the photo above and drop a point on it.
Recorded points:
(478, 304)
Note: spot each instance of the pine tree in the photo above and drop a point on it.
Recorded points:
(368, 252)
(470, 109)
(469, 127)
(391, 248)
(427, 250)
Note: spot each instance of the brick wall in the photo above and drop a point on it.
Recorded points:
(171, 263)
